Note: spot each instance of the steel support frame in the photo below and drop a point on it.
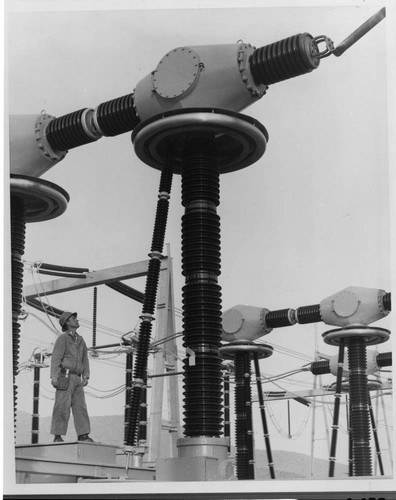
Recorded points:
(165, 326)
(165, 359)
(93, 278)
(42, 466)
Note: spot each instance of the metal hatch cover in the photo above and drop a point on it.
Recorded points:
(176, 73)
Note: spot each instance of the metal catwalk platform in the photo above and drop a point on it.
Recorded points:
(69, 462)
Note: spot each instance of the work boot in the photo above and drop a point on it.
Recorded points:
(85, 437)
(58, 439)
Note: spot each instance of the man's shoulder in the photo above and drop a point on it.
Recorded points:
(81, 339)
(61, 338)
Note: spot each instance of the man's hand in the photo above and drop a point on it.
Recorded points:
(85, 381)
(54, 381)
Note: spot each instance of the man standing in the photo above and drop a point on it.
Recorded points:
(70, 353)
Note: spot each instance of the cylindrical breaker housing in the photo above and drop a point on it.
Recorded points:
(353, 306)
(244, 322)
(30, 152)
(202, 76)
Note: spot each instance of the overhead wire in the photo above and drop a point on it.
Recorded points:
(267, 379)
(289, 352)
(278, 427)
(39, 295)
(105, 329)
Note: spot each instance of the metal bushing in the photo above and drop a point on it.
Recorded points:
(239, 346)
(240, 140)
(43, 199)
(42, 142)
(370, 335)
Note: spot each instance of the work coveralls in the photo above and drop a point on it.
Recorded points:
(72, 353)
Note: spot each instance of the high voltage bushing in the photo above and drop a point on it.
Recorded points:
(227, 422)
(310, 314)
(241, 352)
(36, 399)
(142, 433)
(207, 142)
(322, 366)
(293, 56)
(95, 314)
(201, 293)
(384, 359)
(386, 301)
(128, 389)
(116, 116)
(289, 317)
(71, 130)
(87, 125)
(357, 339)
(32, 200)
(149, 300)
(359, 409)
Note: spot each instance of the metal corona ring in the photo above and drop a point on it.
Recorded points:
(370, 335)
(240, 139)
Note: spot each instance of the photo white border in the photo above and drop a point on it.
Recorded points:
(244, 489)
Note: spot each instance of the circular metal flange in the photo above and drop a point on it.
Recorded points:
(43, 199)
(370, 335)
(230, 350)
(41, 139)
(372, 385)
(240, 139)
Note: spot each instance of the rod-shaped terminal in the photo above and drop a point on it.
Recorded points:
(359, 32)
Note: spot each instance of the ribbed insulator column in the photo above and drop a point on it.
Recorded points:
(117, 116)
(384, 359)
(95, 314)
(337, 404)
(36, 400)
(150, 296)
(249, 415)
(320, 367)
(243, 418)
(128, 390)
(142, 435)
(18, 231)
(227, 424)
(375, 434)
(201, 294)
(70, 131)
(284, 59)
(279, 318)
(263, 416)
(308, 314)
(359, 407)
(387, 302)
(350, 453)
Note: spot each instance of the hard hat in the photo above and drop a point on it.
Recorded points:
(64, 317)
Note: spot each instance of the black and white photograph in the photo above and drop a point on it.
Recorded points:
(199, 249)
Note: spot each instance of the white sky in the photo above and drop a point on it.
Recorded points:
(310, 218)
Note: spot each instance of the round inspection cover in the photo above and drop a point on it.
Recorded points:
(176, 73)
(345, 304)
(232, 321)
